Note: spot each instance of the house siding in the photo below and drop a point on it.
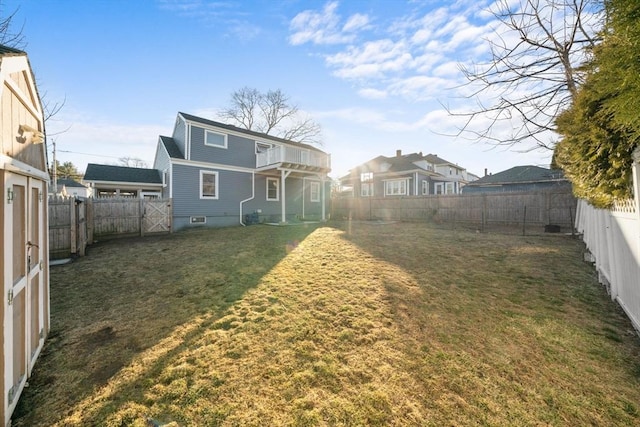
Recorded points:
(163, 164)
(180, 134)
(240, 151)
(233, 187)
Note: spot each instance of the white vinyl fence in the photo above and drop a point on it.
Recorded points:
(613, 240)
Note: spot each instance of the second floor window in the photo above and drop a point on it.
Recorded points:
(214, 139)
(366, 176)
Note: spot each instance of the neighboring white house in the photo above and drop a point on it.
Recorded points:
(412, 174)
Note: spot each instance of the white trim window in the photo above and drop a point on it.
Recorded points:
(215, 139)
(366, 189)
(450, 188)
(314, 191)
(209, 185)
(261, 147)
(273, 189)
(425, 187)
(439, 188)
(395, 187)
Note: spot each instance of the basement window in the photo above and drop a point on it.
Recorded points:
(198, 220)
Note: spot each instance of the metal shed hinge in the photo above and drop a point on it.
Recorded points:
(10, 297)
(9, 195)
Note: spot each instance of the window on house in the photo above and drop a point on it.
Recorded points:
(208, 185)
(397, 187)
(425, 187)
(366, 176)
(214, 139)
(314, 190)
(450, 188)
(273, 189)
(366, 189)
(439, 188)
(262, 147)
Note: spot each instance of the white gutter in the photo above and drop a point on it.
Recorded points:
(253, 194)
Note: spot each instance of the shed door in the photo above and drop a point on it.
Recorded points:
(24, 285)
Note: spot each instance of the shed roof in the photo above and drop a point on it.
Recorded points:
(111, 173)
(10, 51)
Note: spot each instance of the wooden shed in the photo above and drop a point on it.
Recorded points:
(24, 250)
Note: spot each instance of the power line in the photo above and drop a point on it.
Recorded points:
(87, 154)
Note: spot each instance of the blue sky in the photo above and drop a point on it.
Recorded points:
(373, 74)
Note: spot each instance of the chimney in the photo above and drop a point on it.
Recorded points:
(398, 153)
(485, 171)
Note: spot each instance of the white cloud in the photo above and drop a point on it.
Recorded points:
(371, 93)
(323, 28)
(356, 22)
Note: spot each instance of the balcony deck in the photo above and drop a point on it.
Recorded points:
(294, 158)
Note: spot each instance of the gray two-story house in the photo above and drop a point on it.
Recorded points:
(221, 175)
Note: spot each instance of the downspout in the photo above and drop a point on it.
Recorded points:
(324, 214)
(253, 194)
(304, 187)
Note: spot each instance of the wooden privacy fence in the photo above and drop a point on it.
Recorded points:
(538, 209)
(75, 223)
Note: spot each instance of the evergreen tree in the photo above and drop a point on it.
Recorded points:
(602, 128)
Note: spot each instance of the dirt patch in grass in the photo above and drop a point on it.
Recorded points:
(342, 324)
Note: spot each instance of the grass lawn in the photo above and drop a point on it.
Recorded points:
(334, 324)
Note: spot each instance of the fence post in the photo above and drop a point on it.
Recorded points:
(89, 219)
(141, 216)
(73, 226)
(524, 221)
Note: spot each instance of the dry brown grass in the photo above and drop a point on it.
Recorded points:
(345, 324)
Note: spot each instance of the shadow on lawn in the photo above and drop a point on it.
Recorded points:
(132, 297)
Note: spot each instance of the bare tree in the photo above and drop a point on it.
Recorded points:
(132, 162)
(271, 113)
(533, 72)
(8, 37)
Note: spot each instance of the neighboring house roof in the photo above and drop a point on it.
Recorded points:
(434, 159)
(203, 121)
(521, 175)
(67, 182)
(171, 147)
(110, 173)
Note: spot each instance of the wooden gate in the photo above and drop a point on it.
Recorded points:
(156, 216)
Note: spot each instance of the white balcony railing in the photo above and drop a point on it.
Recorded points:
(298, 156)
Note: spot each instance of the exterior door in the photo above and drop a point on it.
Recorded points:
(24, 228)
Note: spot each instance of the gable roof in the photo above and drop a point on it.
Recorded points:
(434, 159)
(232, 128)
(520, 175)
(172, 148)
(111, 173)
(68, 182)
